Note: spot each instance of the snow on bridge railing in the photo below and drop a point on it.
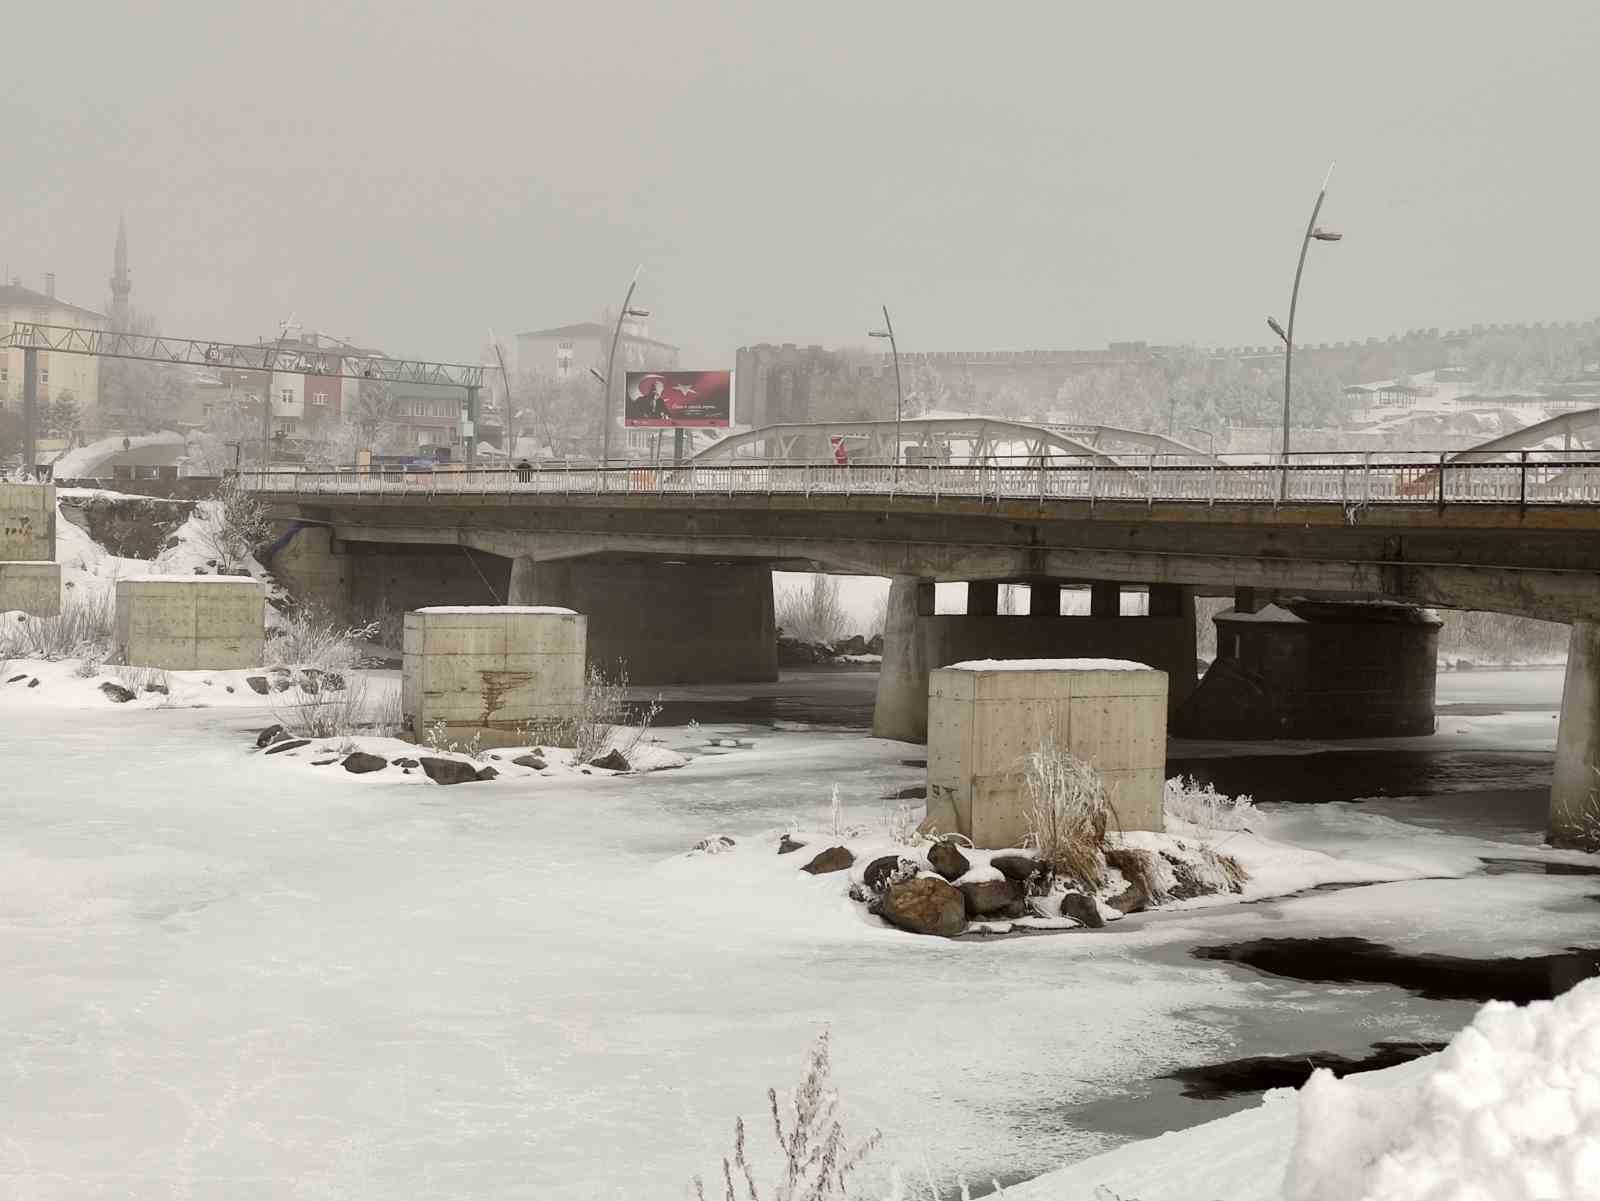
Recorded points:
(1532, 477)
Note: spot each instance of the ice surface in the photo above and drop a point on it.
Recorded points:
(1049, 665)
(520, 609)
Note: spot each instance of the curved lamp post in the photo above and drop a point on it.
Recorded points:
(611, 362)
(899, 397)
(1313, 233)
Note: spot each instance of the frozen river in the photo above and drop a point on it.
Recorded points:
(219, 979)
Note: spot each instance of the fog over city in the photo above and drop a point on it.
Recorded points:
(799, 601)
(1039, 175)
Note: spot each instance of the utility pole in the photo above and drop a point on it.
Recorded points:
(30, 409)
(266, 393)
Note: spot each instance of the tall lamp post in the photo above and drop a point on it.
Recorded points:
(611, 362)
(899, 396)
(1317, 234)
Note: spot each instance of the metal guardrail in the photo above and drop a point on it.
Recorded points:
(1532, 478)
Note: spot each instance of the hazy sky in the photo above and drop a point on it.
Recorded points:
(1003, 176)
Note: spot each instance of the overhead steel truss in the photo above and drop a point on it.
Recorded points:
(978, 439)
(231, 356)
(1568, 426)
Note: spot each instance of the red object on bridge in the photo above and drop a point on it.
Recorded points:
(841, 456)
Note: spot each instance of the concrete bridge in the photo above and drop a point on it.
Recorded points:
(673, 565)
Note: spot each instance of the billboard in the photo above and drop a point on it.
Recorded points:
(679, 400)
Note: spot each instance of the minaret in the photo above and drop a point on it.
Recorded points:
(121, 285)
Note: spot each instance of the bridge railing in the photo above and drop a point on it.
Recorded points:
(1539, 478)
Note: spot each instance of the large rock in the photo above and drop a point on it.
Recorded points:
(448, 771)
(1082, 910)
(117, 693)
(787, 845)
(612, 760)
(257, 684)
(268, 736)
(834, 859)
(288, 744)
(530, 761)
(876, 877)
(947, 859)
(1015, 866)
(926, 905)
(993, 898)
(361, 763)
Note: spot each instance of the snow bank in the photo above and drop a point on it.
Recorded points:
(1049, 665)
(1511, 1110)
(85, 462)
(1267, 613)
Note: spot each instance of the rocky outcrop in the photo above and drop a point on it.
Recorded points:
(128, 527)
(834, 859)
(947, 859)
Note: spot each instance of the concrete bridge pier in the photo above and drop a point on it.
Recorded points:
(916, 640)
(521, 590)
(1575, 791)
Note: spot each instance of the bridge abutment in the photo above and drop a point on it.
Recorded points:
(1323, 670)
(1575, 790)
(916, 641)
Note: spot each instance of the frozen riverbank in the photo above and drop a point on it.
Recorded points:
(217, 979)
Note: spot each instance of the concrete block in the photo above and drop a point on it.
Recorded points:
(487, 670)
(31, 587)
(981, 730)
(28, 523)
(190, 622)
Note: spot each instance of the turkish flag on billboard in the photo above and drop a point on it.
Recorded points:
(679, 399)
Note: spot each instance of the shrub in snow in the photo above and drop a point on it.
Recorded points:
(1068, 812)
(310, 637)
(82, 630)
(812, 614)
(1207, 808)
(605, 721)
(235, 524)
(325, 713)
(815, 1157)
(1510, 1110)
(902, 826)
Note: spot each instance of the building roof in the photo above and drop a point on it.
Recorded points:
(17, 294)
(592, 329)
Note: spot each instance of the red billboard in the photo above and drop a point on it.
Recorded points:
(679, 399)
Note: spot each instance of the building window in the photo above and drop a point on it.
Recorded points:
(44, 375)
(319, 398)
(286, 396)
(5, 373)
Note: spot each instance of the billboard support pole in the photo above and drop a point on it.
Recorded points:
(611, 365)
(677, 445)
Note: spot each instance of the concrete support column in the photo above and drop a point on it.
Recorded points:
(1044, 598)
(983, 598)
(1575, 793)
(1105, 599)
(901, 711)
(521, 589)
(1177, 601)
(310, 565)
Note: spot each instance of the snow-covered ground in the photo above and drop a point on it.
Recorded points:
(225, 976)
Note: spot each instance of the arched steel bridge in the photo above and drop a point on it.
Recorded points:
(964, 440)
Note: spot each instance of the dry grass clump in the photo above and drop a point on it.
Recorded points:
(1069, 812)
(82, 630)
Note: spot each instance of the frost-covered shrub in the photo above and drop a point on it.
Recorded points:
(325, 712)
(815, 1158)
(1207, 808)
(234, 524)
(310, 637)
(82, 630)
(1068, 810)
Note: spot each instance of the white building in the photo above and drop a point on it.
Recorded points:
(59, 374)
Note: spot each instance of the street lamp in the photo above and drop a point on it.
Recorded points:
(899, 397)
(1313, 233)
(611, 362)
